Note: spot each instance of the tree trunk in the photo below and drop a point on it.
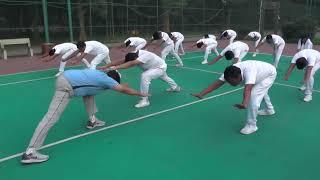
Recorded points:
(81, 13)
(166, 21)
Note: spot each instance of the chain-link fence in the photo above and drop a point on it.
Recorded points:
(112, 20)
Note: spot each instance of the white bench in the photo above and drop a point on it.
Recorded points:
(5, 42)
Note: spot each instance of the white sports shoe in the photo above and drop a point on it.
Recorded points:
(177, 89)
(179, 65)
(254, 54)
(303, 88)
(59, 73)
(204, 62)
(248, 129)
(266, 112)
(34, 157)
(142, 103)
(307, 98)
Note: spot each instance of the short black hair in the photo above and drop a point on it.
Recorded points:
(157, 35)
(131, 56)
(81, 44)
(128, 43)
(231, 72)
(206, 36)
(170, 35)
(301, 63)
(269, 38)
(114, 74)
(225, 34)
(199, 44)
(229, 55)
(52, 51)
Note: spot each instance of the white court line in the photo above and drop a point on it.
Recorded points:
(123, 123)
(25, 81)
(25, 72)
(214, 72)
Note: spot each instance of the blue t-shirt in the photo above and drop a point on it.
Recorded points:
(89, 81)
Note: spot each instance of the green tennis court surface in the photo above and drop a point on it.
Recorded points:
(178, 137)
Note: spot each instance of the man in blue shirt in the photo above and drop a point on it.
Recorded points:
(74, 83)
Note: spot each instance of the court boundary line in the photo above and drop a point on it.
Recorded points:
(123, 123)
(49, 69)
(215, 72)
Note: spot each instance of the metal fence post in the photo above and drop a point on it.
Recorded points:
(45, 20)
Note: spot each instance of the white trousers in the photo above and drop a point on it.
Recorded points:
(208, 51)
(66, 56)
(140, 46)
(256, 43)
(277, 54)
(99, 58)
(260, 92)
(310, 82)
(148, 75)
(170, 49)
(178, 45)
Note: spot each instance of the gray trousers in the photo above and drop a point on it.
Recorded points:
(63, 94)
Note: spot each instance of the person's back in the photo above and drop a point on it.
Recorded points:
(150, 60)
(96, 48)
(255, 71)
(88, 81)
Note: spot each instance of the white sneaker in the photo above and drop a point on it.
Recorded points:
(266, 112)
(177, 89)
(204, 62)
(179, 65)
(303, 88)
(307, 98)
(142, 103)
(254, 55)
(59, 73)
(248, 129)
(34, 157)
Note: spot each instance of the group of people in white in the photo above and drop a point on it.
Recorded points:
(257, 76)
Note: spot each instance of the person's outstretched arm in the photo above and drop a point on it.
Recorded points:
(289, 71)
(246, 97)
(217, 84)
(125, 89)
(215, 60)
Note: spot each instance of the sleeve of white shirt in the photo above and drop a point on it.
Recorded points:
(312, 61)
(222, 78)
(276, 42)
(88, 49)
(58, 51)
(250, 76)
(294, 59)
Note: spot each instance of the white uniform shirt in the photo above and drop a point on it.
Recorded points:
(231, 33)
(237, 48)
(150, 61)
(64, 47)
(312, 56)
(207, 41)
(307, 45)
(177, 35)
(95, 48)
(135, 41)
(277, 40)
(166, 38)
(254, 35)
(254, 72)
